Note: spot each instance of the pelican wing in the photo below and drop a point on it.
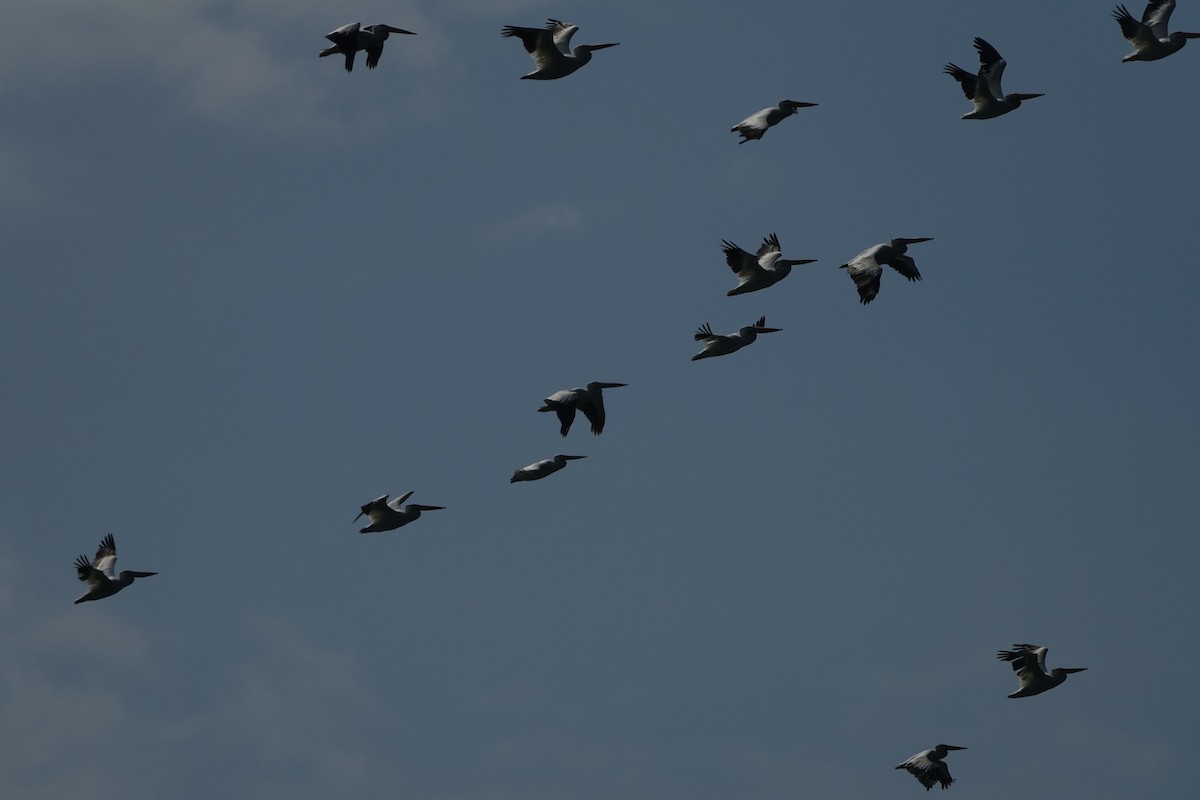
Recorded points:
(967, 80)
(704, 333)
(345, 36)
(562, 32)
(927, 771)
(865, 272)
(905, 266)
(593, 409)
(992, 67)
(742, 263)
(539, 43)
(1028, 661)
(396, 503)
(1156, 17)
(105, 561)
(769, 252)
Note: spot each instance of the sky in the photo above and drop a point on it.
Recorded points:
(246, 292)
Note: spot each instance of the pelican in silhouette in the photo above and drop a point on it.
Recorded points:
(1029, 662)
(351, 38)
(764, 268)
(928, 767)
(1149, 37)
(755, 125)
(550, 49)
(867, 267)
(387, 516)
(540, 469)
(588, 399)
(100, 573)
(718, 345)
(984, 89)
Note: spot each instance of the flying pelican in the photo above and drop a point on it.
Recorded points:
(540, 469)
(589, 400)
(717, 345)
(100, 574)
(1029, 662)
(984, 91)
(755, 125)
(866, 267)
(387, 516)
(1149, 37)
(351, 38)
(549, 47)
(763, 269)
(927, 766)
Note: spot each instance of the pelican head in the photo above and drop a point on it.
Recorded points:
(945, 747)
(1067, 670)
(594, 385)
(568, 458)
(420, 507)
(761, 329)
(591, 47)
(902, 242)
(792, 105)
(1017, 99)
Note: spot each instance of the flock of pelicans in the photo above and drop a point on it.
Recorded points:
(549, 47)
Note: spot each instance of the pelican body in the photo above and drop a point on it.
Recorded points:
(717, 345)
(387, 516)
(540, 469)
(588, 399)
(755, 125)
(1149, 37)
(100, 573)
(984, 89)
(550, 49)
(1029, 662)
(351, 38)
(867, 267)
(763, 269)
(928, 767)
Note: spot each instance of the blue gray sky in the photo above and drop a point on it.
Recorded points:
(246, 292)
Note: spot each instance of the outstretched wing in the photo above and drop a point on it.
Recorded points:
(905, 266)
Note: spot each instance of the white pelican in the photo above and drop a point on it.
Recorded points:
(102, 579)
(549, 47)
(351, 38)
(716, 345)
(387, 516)
(1029, 662)
(588, 399)
(1149, 37)
(927, 766)
(755, 125)
(984, 90)
(540, 469)
(866, 267)
(761, 270)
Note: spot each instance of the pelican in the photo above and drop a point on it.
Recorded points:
(984, 90)
(351, 38)
(1029, 662)
(589, 400)
(755, 125)
(763, 269)
(549, 47)
(387, 516)
(716, 345)
(1149, 37)
(927, 766)
(866, 267)
(540, 469)
(100, 574)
